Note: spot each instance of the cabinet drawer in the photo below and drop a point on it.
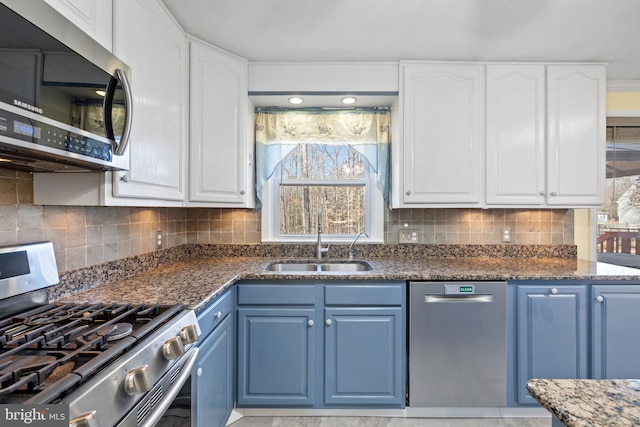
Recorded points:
(276, 295)
(357, 295)
(215, 313)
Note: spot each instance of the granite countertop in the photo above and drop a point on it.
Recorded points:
(197, 281)
(578, 403)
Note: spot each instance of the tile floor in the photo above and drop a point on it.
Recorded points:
(389, 422)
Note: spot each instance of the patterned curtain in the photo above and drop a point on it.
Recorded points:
(280, 130)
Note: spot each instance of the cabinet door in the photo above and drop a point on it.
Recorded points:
(364, 356)
(615, 333)
(221, 154)
(552, 334)
(443, 134)
(516, 134)
(576, 134)
(153, 45)
(94, 17)
(275, 356)
(215, 376)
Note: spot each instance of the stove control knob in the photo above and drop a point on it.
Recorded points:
(189, 334)
(84, 420)
(137, 381)
(173, 348)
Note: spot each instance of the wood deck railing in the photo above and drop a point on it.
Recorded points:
(619, 240)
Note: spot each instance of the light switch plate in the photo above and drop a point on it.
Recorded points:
(408, 235)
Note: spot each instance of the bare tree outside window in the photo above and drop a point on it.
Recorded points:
(331, 177)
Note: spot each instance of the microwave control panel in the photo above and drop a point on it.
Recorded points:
(37, 132)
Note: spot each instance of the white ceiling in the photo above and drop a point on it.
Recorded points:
(391, 30)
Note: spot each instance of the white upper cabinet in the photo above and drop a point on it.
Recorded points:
(221, 119)
(576, 110)
(94, 17)
(545, 156)
(147, 38)
(516, 135)
(440, 155)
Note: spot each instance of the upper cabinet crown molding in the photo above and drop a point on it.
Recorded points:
(309, 77)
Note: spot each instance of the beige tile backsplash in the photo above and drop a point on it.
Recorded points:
(89, 235)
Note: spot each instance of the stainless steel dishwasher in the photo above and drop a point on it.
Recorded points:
(457, 344)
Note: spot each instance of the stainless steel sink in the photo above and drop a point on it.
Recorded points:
(279, 266)
(346, 266)
(320, 267)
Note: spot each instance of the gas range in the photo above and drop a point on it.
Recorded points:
(112, 364)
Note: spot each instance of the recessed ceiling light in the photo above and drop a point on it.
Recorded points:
(101, 92)
(296, 100)
(348, 100)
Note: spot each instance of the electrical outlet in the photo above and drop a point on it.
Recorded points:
(408, 235)
(159, 237)
(506, 235)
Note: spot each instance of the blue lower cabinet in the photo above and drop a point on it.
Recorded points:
(214, 369)
(276, 348)
(213, 378)
(317, 344)
(552, 338)
(364, 353)
(615, 331)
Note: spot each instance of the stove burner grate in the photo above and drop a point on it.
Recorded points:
(57, 346)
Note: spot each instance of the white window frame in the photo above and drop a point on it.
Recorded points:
(374, 211)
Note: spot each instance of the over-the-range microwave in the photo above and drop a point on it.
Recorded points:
(65, 102)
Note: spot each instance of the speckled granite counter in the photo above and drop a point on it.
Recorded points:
(196, 281)
(578, 403)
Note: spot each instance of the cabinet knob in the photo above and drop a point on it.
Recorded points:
(599, 298)
(328, 322)
(554, 291)
(124, 178)
(408, 192)
(199, 372)
(242, 192)
(553, 193)
(310, 322)
(218, 315)
(137, 381)
(542, 193)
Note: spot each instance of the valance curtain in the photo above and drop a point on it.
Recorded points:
(280, 130)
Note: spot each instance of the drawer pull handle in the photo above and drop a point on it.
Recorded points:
(554, 291)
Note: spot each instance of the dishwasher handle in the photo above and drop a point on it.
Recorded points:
(430, 299)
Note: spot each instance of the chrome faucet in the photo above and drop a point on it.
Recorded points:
(354, 242)
(319, 248)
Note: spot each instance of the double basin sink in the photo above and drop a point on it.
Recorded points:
(321, 266)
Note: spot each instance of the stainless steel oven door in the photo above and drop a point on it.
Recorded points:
(181, 410)
(151, 410)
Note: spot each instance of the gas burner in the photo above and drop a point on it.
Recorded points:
(117, 331)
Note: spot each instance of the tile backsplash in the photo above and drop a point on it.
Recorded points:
(89, 235)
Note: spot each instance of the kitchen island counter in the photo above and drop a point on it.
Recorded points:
(578, 403)
(198, 280)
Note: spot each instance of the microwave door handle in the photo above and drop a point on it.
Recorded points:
(121, 77)
(119, 148)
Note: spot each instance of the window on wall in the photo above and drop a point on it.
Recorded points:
(330, 179)
(618, 234)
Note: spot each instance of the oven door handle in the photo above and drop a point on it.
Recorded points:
(162, 407)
